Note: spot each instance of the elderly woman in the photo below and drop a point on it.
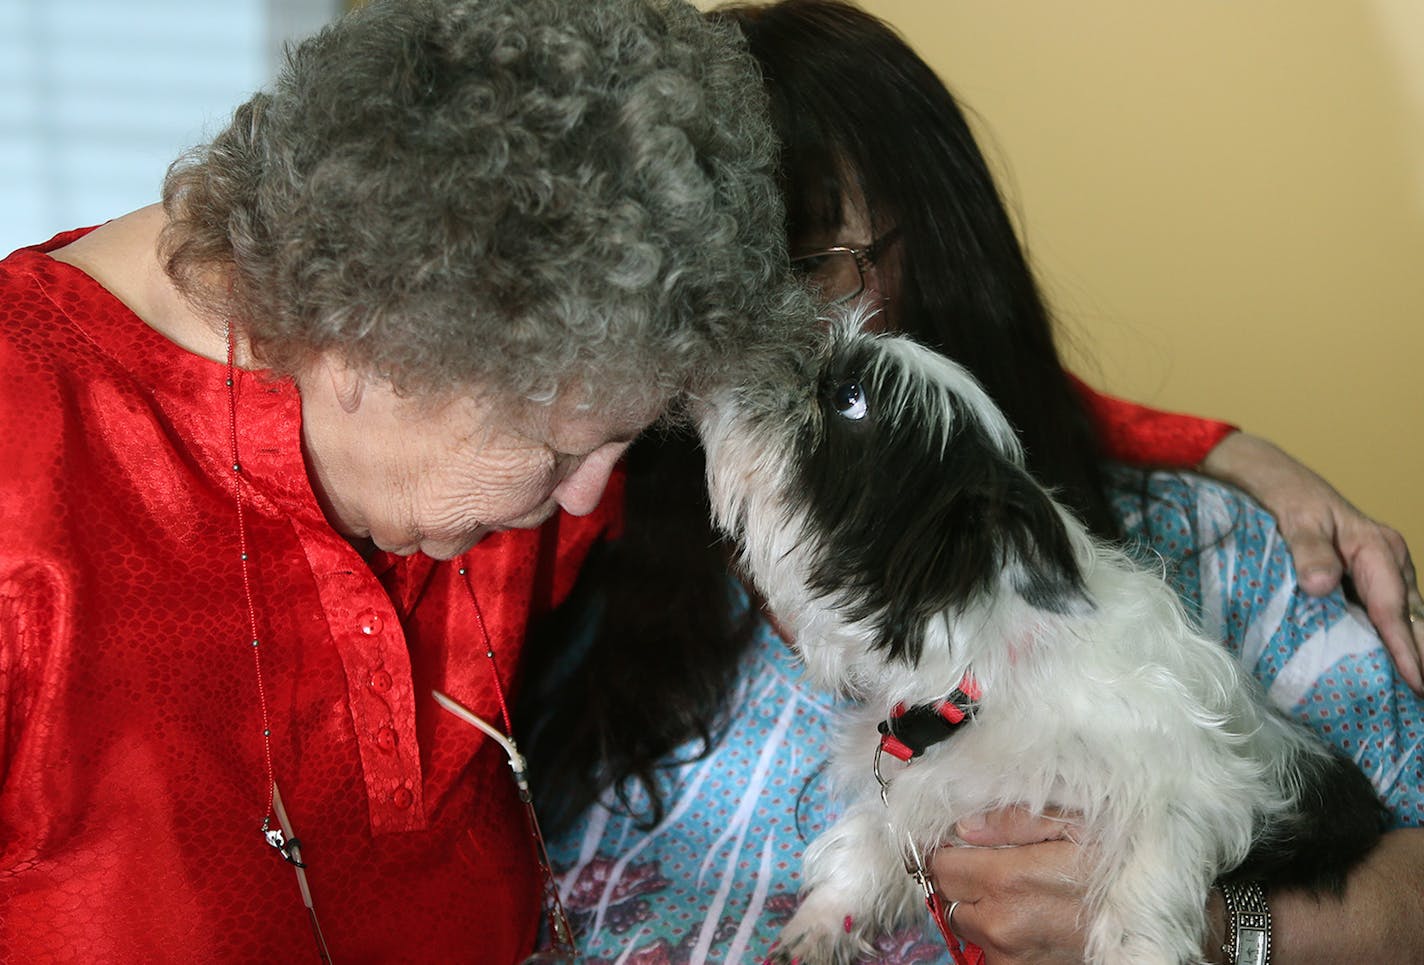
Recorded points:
(316, 437)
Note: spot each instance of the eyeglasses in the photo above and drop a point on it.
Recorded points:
(837, 273)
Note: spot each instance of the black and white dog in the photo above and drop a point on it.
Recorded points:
(881, 506)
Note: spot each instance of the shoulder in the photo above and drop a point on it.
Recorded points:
(1318, 658)
(1206, 538)
(1230, 566)
(34, 388)
(1177, 514)
(39, 336)
(63, 401)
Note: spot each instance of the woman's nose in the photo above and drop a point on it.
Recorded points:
(578, 494)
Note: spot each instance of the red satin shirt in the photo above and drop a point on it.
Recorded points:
(1139, 436)
(132, 782)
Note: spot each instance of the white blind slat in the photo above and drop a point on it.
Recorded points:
(97, 97)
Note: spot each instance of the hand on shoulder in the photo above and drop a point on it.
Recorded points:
(1330, 539)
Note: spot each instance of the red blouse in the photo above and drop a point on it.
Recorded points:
(1135, 434)
(132, 782)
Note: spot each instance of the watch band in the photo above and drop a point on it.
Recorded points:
(1248, 923)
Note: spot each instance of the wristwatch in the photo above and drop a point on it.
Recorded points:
(1248, 923)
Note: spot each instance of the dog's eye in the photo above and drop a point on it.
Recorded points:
(849, 400)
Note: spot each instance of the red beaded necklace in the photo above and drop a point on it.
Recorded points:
(561, 935)
(279, 835)
(276, 826)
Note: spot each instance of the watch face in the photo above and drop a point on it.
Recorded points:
(1251, 947)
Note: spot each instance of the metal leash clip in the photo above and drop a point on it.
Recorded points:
(915, 867)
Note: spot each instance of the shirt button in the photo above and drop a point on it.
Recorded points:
(380, 681)
(370, 623)
(386, 741)
(402, 798)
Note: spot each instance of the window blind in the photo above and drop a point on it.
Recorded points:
(97, 97)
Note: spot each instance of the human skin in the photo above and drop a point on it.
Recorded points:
(411, 476)
(1020, 891)
(1329, 538)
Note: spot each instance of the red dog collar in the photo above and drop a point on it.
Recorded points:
(909, 732)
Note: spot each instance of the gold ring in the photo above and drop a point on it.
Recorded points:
(949, 915)
(1415, 613)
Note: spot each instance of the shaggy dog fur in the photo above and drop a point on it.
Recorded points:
(881, 506)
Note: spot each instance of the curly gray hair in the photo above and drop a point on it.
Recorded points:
(508, 195)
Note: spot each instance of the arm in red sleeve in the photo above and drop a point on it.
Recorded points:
(1135, 434)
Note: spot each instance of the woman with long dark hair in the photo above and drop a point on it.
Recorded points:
(682, 744)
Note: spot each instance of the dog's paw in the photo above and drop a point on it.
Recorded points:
(820, 933)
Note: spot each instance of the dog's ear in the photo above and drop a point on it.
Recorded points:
(983, 525)
(917, 501)
(1041, 564)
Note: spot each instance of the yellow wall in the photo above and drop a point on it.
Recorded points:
(1225, 202)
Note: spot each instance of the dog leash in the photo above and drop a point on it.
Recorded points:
(905, 735)
(963, 953)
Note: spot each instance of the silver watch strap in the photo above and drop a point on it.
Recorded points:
(1248, 923)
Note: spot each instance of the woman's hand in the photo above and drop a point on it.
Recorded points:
(1018, 887)
(1020, 894)
(1329, 538)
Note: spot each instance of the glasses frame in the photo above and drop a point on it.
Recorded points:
(865, 259)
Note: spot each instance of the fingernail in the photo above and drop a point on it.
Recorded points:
(972, 824)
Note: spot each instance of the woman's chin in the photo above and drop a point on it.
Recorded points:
(450, 549)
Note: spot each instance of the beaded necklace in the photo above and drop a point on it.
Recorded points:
(276, 826)
(561, 934)
(279, 835)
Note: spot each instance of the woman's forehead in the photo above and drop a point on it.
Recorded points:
(854, 227)
(577, 424)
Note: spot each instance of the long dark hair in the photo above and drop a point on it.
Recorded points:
(850, 99)
(662, 637)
